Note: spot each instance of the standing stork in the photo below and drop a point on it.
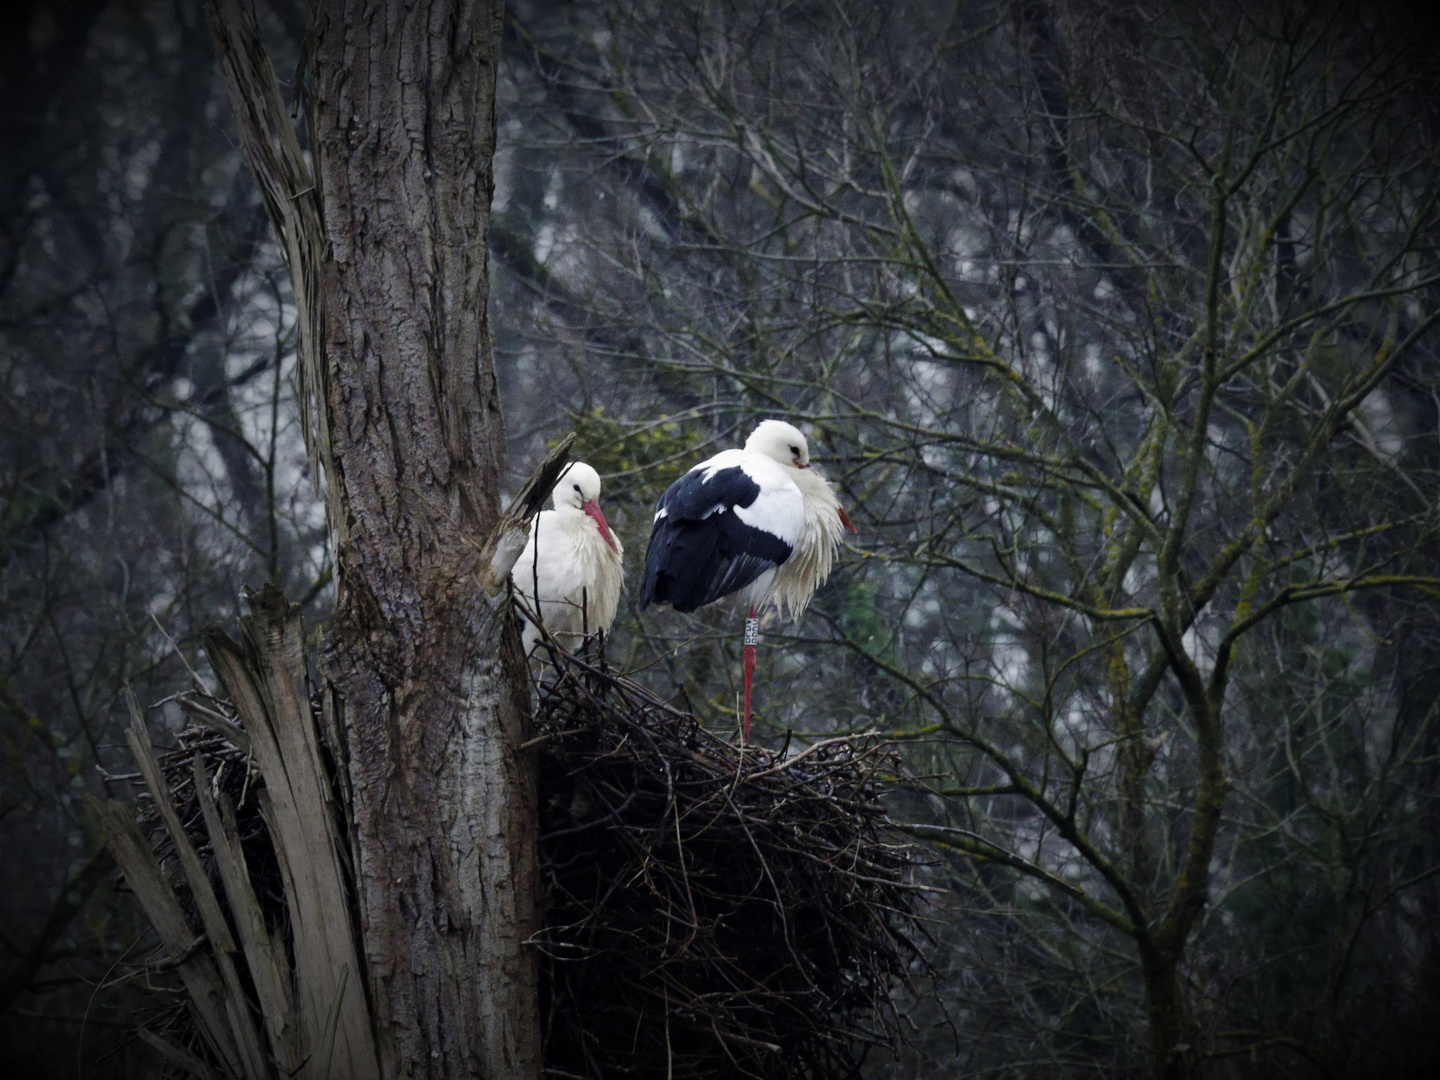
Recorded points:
(571, 569)
(757, 523)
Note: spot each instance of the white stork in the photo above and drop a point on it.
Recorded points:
(571, 569)
(758, 523)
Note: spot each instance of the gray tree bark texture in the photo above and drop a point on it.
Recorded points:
(431, 680)
(385, 234)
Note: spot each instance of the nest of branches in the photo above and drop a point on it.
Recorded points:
(714, 911)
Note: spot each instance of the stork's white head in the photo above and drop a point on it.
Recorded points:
(781, 441)
(578, 484)
(579, 489)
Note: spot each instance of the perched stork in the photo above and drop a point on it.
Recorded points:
(759, 524)
(571, 569)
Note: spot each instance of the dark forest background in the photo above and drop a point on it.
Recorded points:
(1091, 309)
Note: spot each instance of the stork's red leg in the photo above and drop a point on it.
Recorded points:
(752, 637)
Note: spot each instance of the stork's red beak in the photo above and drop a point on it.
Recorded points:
(592, 507)
(845, 520)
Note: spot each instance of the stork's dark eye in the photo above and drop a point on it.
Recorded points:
(577, 487)
(795, 450)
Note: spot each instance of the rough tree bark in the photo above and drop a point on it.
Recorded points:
(386, 241)
(443, 808)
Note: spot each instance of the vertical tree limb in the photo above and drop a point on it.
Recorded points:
(386, 237)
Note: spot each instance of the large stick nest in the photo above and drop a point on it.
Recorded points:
(715, 911)
(712, 910)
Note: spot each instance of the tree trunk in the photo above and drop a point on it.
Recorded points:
(1172, 1035)
(385, 236)
(429, 675)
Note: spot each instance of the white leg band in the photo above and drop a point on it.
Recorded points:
(752, 631)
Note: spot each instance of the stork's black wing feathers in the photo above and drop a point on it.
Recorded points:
(699, 550)
(692, 563)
